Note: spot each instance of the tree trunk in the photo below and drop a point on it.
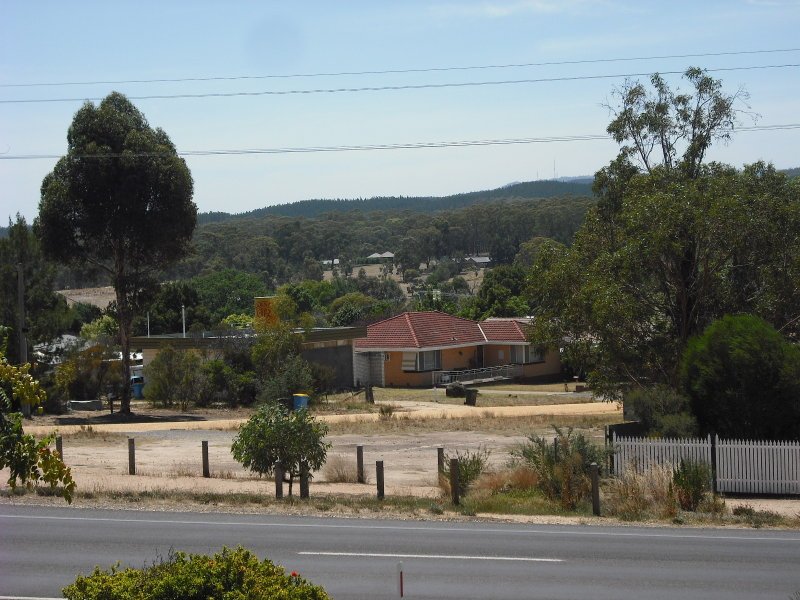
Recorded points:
(124, 320)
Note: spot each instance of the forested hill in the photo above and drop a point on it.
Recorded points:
(315, 208)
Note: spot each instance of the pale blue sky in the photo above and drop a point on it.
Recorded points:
(46, 42)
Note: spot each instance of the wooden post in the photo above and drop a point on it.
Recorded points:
(360, 464)
(279, 481)
(440, 459)
(712, 438)
(206, 468)
(379, 478)
(131, 456)
(555, 448)
(60, 447)
(454, 483)
(595, 471)
(368, 395)
(303, 484)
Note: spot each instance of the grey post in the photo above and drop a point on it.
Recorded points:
(60, 446)
(131, 456)
(360, 464)
(440, 459)
(379, 478)
(278, 481)
(454, 483)
(595, 489)
(206, 468)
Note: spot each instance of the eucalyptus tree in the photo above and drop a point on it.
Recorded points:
(121, 200)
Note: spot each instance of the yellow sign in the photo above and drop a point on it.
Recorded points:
(265, 311)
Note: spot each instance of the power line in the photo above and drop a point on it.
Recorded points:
(392, 87)
(400, 71)
(372, 147)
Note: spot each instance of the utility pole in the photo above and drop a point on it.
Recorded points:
(22, 329)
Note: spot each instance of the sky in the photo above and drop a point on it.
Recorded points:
(245, 47)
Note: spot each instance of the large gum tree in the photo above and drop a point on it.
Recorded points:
(120, 199)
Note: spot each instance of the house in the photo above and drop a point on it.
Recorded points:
(382, 257)
(479, 261)
(421, 349)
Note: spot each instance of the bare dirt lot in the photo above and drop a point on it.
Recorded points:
(168, 447)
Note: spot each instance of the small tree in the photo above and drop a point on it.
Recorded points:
(275, 436)
(176, 377)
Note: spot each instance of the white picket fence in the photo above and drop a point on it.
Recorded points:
(742, 466)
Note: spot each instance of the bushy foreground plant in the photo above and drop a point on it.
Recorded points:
(229, 575)
(692, 482)
(470, 466)
(275, 436)
(29, 461)
(562, 467)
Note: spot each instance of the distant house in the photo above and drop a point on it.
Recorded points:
(414, 348)
(329, 262)
(381, 257)
(479, 261)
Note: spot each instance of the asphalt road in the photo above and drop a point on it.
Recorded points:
(43, 549)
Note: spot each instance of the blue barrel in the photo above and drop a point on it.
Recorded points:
(137, 391)
(299, 401)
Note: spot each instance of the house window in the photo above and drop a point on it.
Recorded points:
(386, 357)
(422, 361)
(430, 360)
(522, 355)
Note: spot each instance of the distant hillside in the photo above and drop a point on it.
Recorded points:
(314, 208)
(792, 173)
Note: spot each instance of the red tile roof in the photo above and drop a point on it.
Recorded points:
(437, 330)
(504, 330)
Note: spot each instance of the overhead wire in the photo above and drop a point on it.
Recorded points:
(393, 87)
(372, 147)
(402, 71)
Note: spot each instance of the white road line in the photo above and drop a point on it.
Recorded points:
(441, 556)
(427, 528)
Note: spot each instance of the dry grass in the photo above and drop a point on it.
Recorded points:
(340, 469)
(485, 421)
(635, 496)
(87, 433)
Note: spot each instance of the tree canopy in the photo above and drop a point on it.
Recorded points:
(120, 199)
(670, 247)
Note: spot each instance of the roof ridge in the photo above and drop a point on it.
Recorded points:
(411, 328)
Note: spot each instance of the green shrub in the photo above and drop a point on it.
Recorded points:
(562, 467)
(662, 411)
(692, 480)
(743, 378)
(229, 575)
(275, 436)
(470, 466)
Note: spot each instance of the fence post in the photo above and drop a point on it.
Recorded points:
(303, 483)
(440, 459)
(279, 481)
(60, 447)
(206, 468)
(555, 448)
(360, 464)
(454, 483)
(713, 440)
(379, 478)
(595, 489)
(131, 456)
